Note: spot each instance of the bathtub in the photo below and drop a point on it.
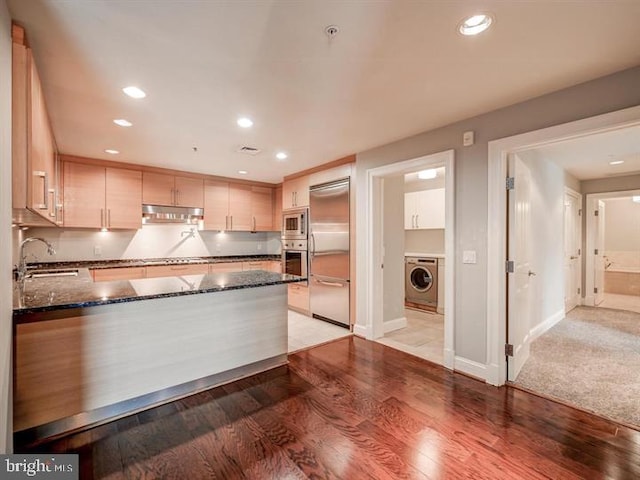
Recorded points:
(622, 280)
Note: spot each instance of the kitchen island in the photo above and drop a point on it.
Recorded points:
(87, 352)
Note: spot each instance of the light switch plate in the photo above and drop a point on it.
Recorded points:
(469, 256)
(468, 139)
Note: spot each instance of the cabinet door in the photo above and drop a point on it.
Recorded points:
(41, 149)
(295, 193)
(430, 209)
(262, 209)
(177, 270)
(410, 201)
(84, 194)
(277, 209)
(157, 189)
(189, 192)
(123, 198)
(298, 297)
(240, 218)
(216, 205)
(274, 266)
(257, 265)
(225, 267)
(111, 274)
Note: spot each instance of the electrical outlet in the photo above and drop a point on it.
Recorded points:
(218, 248)
(259, 246)
(97, 250)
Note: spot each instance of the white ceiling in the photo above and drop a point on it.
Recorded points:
(588, 157)
(396, 68)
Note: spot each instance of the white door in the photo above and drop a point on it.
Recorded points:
(598, 261)
(572, 241)
(519, 251)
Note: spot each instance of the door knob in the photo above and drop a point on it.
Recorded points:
(532, 274)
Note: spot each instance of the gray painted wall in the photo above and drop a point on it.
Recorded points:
(393, 211)
(622, 225)
(6, 409)
(606, 94)
(424, 241)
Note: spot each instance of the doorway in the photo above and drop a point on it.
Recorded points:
(497, 220)
(371, 305)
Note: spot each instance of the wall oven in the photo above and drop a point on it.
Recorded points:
(295, 224)
(295, 260)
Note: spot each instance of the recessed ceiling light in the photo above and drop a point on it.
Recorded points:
(475, 24)
(427, 174)
(242, 172)
(244, 122)
(616, 162)
(112, 151)
(122, 122)
(281, 155)
(134, 92)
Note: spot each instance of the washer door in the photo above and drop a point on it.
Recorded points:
(421, 279)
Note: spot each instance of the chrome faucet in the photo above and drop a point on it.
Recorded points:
(22, 265)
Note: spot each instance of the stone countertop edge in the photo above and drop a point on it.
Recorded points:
(269, 278)
(132, 262)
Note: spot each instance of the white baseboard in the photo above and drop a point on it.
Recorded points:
(449, 359)
(395, 324)
(546, 325)
(361, 331)
(589, 300)
(470, 367)
(493, 376)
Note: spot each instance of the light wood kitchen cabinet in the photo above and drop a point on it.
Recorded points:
(256, 265)
(111, 274)
(177, 270)
(298, 295)
(101, 197)
(172, 190)
(237, 207)
(275, 266)
(424, 209)
(225, 267)
(277, 209)
(295, 193)
(34, 155)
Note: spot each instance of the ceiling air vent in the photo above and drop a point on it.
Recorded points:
(249, 150)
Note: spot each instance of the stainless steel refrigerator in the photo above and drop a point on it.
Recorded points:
(329, 251)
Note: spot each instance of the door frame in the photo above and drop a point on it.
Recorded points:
(590, 205)
(373, 255)
(496, 371)
(578, 196)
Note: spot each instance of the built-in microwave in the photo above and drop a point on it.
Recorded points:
(295, 224)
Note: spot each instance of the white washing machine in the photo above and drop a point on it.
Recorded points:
(421, 282)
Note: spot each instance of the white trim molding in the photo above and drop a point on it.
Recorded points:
(475, 369)
(547, 324)
(497, 221)
(395, 324)
(371, 311)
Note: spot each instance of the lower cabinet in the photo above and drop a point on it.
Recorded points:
(111, 274)
(299, 297)
(177, 270)
(225, 267)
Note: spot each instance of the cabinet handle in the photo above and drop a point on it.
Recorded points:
(231, 222)
(52, 210)
(177, 197)
(45, 190)
(417, 226)
(254, 224)
(413, 221)
(102, 218)
(108, 218)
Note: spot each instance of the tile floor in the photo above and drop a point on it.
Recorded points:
(423, 336)
(305, 332)
(621, 302)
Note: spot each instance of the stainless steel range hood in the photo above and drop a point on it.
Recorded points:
(164, 214)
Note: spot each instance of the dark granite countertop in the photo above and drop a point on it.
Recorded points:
(96, 264)
(63, 292)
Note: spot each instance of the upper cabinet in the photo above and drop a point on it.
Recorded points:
(424, 209)
(172, 190)
(34, 155)
(295, 193)
(102, 197)
(237, 207)
(277, 208)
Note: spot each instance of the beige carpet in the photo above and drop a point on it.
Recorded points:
(590, 359)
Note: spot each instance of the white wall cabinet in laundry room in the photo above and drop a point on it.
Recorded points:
(424, 209)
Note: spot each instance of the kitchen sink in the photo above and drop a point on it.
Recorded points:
(53, 273)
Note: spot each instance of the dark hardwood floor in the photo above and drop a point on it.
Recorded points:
(355, 409)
